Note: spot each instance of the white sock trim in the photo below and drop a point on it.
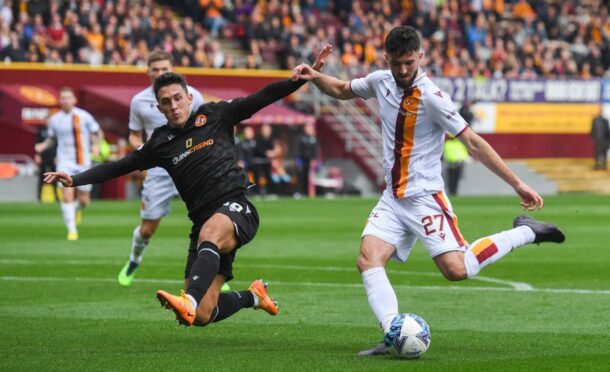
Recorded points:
(193, 302)
(471, 263)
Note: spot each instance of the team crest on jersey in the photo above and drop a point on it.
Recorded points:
(200, 120)
(409, 101)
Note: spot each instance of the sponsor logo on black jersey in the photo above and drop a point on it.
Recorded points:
(191, 149)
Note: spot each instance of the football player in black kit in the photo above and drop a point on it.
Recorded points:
(198, 151)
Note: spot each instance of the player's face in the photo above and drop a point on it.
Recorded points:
(404, 67)
(175, 104)
(67, 100)
(157, 68)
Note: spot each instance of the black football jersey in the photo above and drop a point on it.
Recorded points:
(200, 156)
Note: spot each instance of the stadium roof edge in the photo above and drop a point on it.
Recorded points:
(139, 69)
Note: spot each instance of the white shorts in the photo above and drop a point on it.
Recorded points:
(72, 169)
(401, 222)
(158, 191)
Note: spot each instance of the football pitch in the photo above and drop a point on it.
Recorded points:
(540, 308)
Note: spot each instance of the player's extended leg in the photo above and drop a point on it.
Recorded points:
(457, 265)
(374, 255)
(84, 198)
(217, 236)
(216, 306)
(140, 238)
(68, 210)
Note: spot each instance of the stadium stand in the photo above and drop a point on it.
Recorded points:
(486, 38)
(472, 39)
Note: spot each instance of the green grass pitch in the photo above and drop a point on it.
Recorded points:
(540, 308)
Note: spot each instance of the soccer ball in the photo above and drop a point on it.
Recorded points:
(408, 337)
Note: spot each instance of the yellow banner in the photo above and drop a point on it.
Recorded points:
(544, 117)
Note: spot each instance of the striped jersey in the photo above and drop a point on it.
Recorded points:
(414, 122)
(144, 114)
(73, 132)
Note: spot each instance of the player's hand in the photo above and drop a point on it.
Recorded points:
(530, 200)
(39, 147)
(62, 177)
(303, 72)
(318, 64)
(306, 72)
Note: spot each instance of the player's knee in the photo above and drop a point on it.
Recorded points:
(362, 263)
(224, 240)
(455, 273)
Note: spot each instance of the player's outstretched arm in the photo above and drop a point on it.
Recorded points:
(100, 173)
(245, 107)
(482, 151)
(331, 86)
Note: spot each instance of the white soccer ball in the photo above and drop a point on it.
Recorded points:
(408, 337)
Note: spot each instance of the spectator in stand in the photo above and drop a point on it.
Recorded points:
(264, 152)
(245, 152)
(307, 154)
(213, 15)
(13, 52)
(459, 36)
(600, 134)
(57, 37)
(45, 159)
(6, 12)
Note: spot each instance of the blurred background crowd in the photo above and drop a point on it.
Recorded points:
(523, 39)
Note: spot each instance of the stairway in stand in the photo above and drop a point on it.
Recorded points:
(573, 174)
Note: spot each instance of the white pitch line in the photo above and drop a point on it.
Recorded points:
(318, 284)
(520, 286)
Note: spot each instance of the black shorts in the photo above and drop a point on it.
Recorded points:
(244, 216)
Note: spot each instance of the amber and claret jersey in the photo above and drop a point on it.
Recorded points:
(72, 131)
(414, 122)
(201, 156)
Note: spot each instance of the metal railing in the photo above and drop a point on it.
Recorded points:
(366, 135)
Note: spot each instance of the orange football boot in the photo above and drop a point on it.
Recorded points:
(259, 289)
(180, 305)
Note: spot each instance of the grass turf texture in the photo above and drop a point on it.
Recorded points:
(62, 309)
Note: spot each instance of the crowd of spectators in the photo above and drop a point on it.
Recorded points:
(477, 38)
(95, 32)
(486, 38)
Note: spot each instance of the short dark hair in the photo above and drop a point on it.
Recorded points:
(168, 79)
(402, 40)
(159, 55)
(66, 89)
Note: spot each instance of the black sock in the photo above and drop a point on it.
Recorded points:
(230, 303)
(204, 270)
